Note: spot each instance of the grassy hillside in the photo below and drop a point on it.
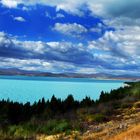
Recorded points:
(132, 133)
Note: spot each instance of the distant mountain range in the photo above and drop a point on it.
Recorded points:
(14, 71)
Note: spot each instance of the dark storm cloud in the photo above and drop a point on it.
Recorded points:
(125, 8)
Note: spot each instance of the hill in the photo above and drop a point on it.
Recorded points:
(15, 71)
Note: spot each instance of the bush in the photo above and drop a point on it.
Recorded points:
(126, 105)
(95, 118)
(54, 127)
(18, 131)
(99, 118)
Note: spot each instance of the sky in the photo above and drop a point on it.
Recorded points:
(73, 36)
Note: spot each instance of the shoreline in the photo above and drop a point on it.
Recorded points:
(91, 78)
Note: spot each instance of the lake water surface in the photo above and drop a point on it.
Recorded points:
(24, 88)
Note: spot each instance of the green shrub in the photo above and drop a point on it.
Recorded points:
(95, 118)
(126, 105)
(54, 126)
(99, 118)
(62, 126)
(17, 131)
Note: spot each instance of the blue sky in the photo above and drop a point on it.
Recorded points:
(82, 36)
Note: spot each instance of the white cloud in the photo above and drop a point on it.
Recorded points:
(117, 50)
(4, 40)
(86, 70)
(48, 15)
(59, 15)
(10, 3)
(26, 64)
(63, 46)
(69, 6)
(73, 6)
(34, 46)
(58, 51)
(25, 8)
(20, 19)
(113, 11)
(120, 48)
(73, 29)
(98, 7)
(36, 65)
(98, 28)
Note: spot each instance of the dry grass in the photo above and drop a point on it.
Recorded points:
(131, 134)
(124, 126)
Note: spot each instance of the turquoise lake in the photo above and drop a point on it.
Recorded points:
(24, 88)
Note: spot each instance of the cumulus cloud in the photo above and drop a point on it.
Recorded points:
(69, 57)
(43, 65)
(72, 29)
(59, 15)
(98, 28)
(120, 48)
(59, 51)
(123, 10)
(124, 42)
(20, 19)
(98, 7)
(113, 11)
(10, 3)
(48, 15)
(72, 7)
